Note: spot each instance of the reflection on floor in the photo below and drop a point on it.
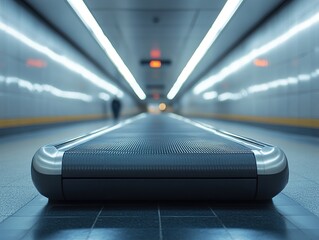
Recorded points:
(280, 219)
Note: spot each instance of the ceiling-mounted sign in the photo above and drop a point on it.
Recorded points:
(155, 63)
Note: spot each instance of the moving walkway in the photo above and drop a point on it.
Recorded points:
(159, 157)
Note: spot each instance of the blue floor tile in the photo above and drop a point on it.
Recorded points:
(186, 210)
(61, 228)
(256, 222)
(12, 234)
(125, 234)
(126, 228)
(130, 209)
(190, 222)
(293, 211)
(161, 220)
(311, 233)
(267, 234)
(18, 223)
(30, 211)
(305, 222)
(282, 199)
(127, 222)
(193, 228)
(38, 201)
(247, 209)
(73, 211)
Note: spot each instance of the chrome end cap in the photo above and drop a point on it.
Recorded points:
(48, 160)
(270, 160)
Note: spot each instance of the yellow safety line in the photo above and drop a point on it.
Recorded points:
(295, 122)
(18, 122)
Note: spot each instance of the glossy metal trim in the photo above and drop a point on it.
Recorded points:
(48, 159)
(269, 159)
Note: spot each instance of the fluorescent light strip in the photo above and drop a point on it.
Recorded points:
(222, 19)
(89, 21)
(241, 62)
(64, 61)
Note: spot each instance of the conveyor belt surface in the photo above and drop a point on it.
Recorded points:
(159, 147)
(160, 157)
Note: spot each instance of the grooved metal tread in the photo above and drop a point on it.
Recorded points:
(159, 146)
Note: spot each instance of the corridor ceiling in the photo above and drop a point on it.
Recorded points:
(136, 27)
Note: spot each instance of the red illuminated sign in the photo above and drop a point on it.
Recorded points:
(37, 63)
(259, 62)
(155, 53)
(156, 96)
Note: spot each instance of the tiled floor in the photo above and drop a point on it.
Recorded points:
(282, 218)
(24, 214)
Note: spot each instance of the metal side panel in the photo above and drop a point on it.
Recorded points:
(270, 185)
(48, 185)
(159, 189)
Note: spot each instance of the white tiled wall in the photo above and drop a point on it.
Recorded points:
(19, 97)
(291, 79)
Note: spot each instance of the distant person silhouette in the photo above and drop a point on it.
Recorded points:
(116, 108)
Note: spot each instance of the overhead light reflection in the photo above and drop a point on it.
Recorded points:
(89, 21)
(64, 61)
(222, 19)
(263, 87)
(104, 96)
(230, 96)
(35, 87)
(292, 80)
(304, 77)
(210, 95)
(241, 62)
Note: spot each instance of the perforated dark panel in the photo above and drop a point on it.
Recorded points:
(159, 147)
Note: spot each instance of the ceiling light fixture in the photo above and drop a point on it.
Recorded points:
(89, 21)
(219, 24)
